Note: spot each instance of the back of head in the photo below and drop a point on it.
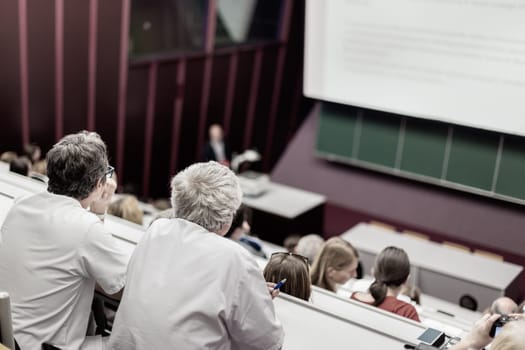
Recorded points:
(207, 194)
(503, 306)
(76, 164)
(8, 156)
(20, 165)
(127, 208)
(290, 242)
(511, 337)
(391, 269)
(335, 253)
(309, 246)
(294, 269)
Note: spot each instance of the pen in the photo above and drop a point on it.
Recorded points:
(280, 284)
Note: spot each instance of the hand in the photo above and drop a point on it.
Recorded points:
(271, 286)
(479, 335)
(99, 206)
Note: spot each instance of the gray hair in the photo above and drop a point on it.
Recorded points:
(207, 194)
(76, 163)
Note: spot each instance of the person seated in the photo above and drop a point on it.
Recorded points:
(127, 207)
(294, 268)
(20, 165)
(391, 271)
(217, 148)
(239, 232)
(309, 246)
(290, 242)
(55, 249)
(503, 306)
(187, 286)
(32, 152)
(335, 264)
(511, 337)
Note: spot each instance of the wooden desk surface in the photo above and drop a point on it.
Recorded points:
(436, 257)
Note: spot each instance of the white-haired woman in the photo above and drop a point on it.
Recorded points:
(188, 287)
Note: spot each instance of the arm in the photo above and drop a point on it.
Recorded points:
(478, 336)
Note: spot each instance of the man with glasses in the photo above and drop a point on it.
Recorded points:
(54, 248)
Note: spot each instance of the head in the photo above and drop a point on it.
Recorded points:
(503, 306)
(292, 267)
(127, 208)
(40, 167)
(216, 133)
(207, 194)
(335, 264)
(309, 246)
(8, 157)
(391, 270)
(33, 152)
(511, 337)
(468, 302)
(240, 225)
(290, 242)
(77, 166)
(20, 165)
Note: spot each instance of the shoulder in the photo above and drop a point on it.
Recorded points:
(404, 309)
(362, 297)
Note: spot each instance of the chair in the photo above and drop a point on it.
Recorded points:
(6, 323)
(416, 235)
(456, 246)
(489, 255)
(382, 225)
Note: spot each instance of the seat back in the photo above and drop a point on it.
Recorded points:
(6, 323)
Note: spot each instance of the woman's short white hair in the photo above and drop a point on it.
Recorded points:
(207, 194)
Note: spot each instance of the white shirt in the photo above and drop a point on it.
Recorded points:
(218, 149)
(52, 251)
(188, 288)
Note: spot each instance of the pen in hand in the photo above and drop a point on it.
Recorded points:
(280, 284)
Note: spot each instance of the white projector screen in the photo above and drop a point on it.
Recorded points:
(458, 61)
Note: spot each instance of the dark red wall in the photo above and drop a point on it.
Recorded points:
(65, 68)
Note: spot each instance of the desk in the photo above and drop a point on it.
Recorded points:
(438, 270)
(283, 210)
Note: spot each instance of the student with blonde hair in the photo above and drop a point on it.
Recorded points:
(294, 268)
(335, 264)
(127, 207)
(391, 271)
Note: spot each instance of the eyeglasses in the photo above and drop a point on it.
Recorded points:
(298, 256)
(109, 172)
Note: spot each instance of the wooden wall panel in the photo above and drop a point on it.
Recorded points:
(10, 101)
(41, 64)
(76, 33)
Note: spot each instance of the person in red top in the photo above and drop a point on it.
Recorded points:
(391, 271)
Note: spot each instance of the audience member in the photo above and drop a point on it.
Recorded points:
(411, 292)
(54, 251)
(391, 271)
(217, 148)
(294, 268)
(8, 157)
(20, 165)
(127, 207)
(511, 337)
(189, 287)
(503, 306)
(32, 152)
(335, 264)
(290, 242)
(309, 246)
(239, 232)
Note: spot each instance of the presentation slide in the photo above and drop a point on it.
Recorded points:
(458, 61)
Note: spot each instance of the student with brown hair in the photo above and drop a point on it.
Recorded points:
(294, 268)
(335, 264)
(391, 271)
(127, 207)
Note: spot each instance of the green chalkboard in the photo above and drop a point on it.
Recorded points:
(474, 160)
(378, 140)
(424, 148)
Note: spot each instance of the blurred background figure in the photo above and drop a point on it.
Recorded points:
(20, 165)
(295, 269)
(8, 157)
(290, 242)
(33, 152)
(240, 232)
(309, 245)
(127, 207)
(217, 148)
